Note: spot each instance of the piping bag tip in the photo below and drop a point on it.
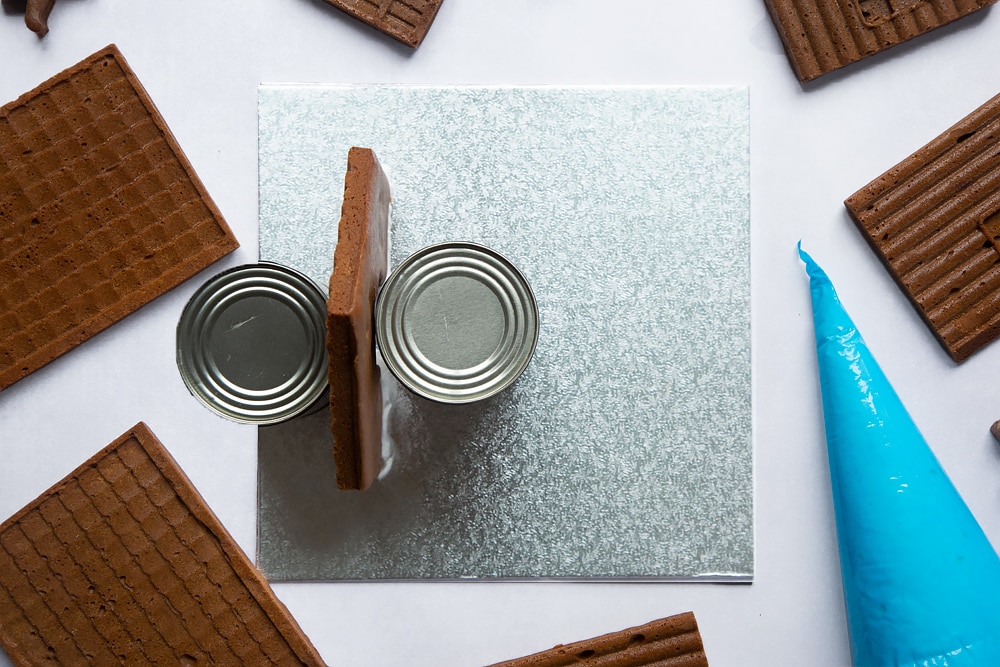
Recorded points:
(921, 580)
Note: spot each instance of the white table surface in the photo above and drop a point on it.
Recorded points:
(812, 146)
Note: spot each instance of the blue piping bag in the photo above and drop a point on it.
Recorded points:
(921, 580)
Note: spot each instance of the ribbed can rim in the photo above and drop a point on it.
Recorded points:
(271, 371)
(400, 312)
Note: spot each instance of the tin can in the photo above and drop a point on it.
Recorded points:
(456, 322)
(251, 344)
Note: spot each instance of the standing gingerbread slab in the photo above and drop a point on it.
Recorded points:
(359, 267)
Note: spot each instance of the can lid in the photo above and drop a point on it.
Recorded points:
(456, 322)
(251, 343)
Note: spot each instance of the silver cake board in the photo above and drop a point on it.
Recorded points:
(624, 451)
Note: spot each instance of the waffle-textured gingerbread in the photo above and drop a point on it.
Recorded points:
(823, 35)
(359, 268)
(934, 221)
(669, 642)
(100, 211)
(122, 562)
(406, 21)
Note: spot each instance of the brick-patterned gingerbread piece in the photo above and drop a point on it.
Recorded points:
(673, 641)
(934, 221)
(823, 35)
(406, 21)
(123, 563)
(100, 211)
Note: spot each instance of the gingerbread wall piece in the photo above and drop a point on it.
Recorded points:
(100, 211)
(122, 562)
(404, 20)
(934, 221)
(673, 641)
(820, 36)
(359, 268)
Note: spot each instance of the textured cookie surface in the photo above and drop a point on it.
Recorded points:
(672, 642)
(404, 20)
(359, 267)
(823, 35)
(123, 563)
(934, 221)
(100, 212)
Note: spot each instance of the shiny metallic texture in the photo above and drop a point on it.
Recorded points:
(251, 344)
(456, 322)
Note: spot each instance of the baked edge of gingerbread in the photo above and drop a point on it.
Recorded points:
(858, 206)
(411, 38)
(360, 256)
(105, 318)
(188, 494)
(603, 647)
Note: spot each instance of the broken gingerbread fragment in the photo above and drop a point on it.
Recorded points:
(36, 15)
(123, 562)
(821, 36)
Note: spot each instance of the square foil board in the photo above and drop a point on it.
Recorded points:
(624, 451)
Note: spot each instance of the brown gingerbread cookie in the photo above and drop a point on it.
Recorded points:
(122, 562)
(359, 267)
(673, 641)
(934, 222)
(406, 21)
(100, 211)
(36, 15)
(820, 36)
